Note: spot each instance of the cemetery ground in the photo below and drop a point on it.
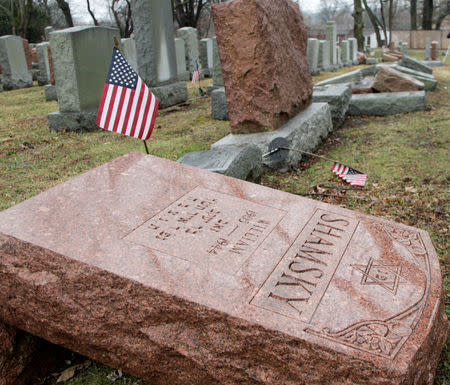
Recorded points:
(405, 156)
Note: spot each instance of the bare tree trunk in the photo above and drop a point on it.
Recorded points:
(383, 21)
(64, 6)
(391, 15)
(427, 20)
(413, 14)
(375, 22)
(91, 13)
(358, 25)
(442, 15)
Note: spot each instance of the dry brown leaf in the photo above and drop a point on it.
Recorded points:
(410, 189)
(67, 374)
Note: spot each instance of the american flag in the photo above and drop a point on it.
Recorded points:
(354, 177)
(196, 74)
(127, 105)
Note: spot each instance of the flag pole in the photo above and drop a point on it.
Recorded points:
(146, 148)
(301, 151)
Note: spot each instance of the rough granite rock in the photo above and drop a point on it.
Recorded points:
(391, 80)
(262, 47)
(130, 282)
(415, 65)
(219, 106)
(338, 98)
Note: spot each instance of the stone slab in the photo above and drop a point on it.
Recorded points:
(389, 103)
(43, 77)
(428, 80)
(354, 76)
(217, 66)
(170, 94)
(238, 162)
(389, 79)
(312, 54)
(432, 63)
(415, 65)
(13, 63)
(260, 40)
(371, 60)
(338, 98)
(72, 121)
(304, 132)
(324, 56)
(50, 92)
(128, 50)
(205, 279)
(219, 106)
(191, 44)
(331, 35)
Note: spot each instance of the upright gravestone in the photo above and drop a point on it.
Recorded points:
(13, 62)
(81, 58)
(129, 52)
(345, 53)
(149, 266)
(404, 48)
(47, 30)
(353, 50)
(427, 48)
(324, 56)
(331, 35)
(312, 54)
(338, 55)
(219, 106)
(217, 69)
(206, 52)
(190, 37)
(155, 46)
(44, 65)
(434, 50)
(183, 73)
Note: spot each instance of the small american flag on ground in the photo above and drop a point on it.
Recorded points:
(196, 74)
(354, 177)
(127, 105)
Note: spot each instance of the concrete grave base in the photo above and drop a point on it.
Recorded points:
(388, 103)
(170, 94)
(211, 87)
(72, 121)
(50, 92)
(354, 76)
(432, 63)
(184, 76)
(304, 132)
(15, 84)
(219, 106)
(371, 60)
(338, 98)
(238, 162)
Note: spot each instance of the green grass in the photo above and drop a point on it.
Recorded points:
(405, 156)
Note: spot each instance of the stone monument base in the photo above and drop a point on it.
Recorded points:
(338, 98)
(72, 121)
(184, 76)
(238, 162)
(15, 84)
(304, 132)
(211, 87)
(219, 106)
(50, 92)
(170, 94)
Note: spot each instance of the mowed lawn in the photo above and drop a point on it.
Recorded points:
(405, 156)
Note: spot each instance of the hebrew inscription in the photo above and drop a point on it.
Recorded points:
(209, 228)
(296, 286)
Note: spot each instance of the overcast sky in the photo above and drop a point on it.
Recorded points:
(309, 5)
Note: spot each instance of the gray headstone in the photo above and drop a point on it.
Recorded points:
(50, 92)
(312, 54)
(206, 56)
(354, 76)
(388, 103)
(371, 60)
(338, 98)
(183, 73)
(190, 37)
(404, 48)
(332, 39)
(219, 106)
(15, 72)
(81, 60)
(238, 162)
(338, 55)
(155, 47)
(427, 48)
(324, 55)
(128, 50)
(353, 50)
(217, 67)
(304, 132)
(345, 53)
(44, 65)
(415, 65)
(47, 31)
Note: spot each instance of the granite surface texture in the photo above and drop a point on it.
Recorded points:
(338, 98)
(415, 64)
(390, 80)
(262, 47)
(205, 279)
(219, 106)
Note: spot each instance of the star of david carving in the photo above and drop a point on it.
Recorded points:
(386, 275)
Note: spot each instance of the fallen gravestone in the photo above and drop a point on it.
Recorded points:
(371, 60)
(354, 76)
(219, 106)
(182, 276)
(338, 98)
(415, 65)
(13, 63)
(276, 35)
(390, 80)
(428, 80)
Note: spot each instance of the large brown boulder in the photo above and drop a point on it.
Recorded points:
(262, 48)
(389, 58)
(391, 80)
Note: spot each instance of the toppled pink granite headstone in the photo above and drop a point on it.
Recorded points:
(390, 80)
(182, 276)
(262, 47)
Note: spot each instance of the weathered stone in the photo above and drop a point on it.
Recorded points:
(354, 76)
(404, 48)
(217, 66)
(434, 50)
(331, 35)
(415, 65)
(324, 56)
(432, 63)
(50, 92)
(15, 72)
(338, 98)
(183, 73)
(190, 37)
(362, 59)
(304, 132)
(389, 103)
(194, 281)
(238, 162)
(206, 56)
(389, 58)
(26, 48)
(79, 91)
(50, 63)
(128, 49)
(371, 60)
(428, 80)
(339, 61)
(44, 65)
(47, 31)
(345, 53)
(390, 80)
(219, 106)
(353, 49)
(369, 71)
(170, 94)
(262, 46)
(427, 48)
(312, 54)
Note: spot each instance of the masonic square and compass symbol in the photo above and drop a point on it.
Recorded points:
(386, 275)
